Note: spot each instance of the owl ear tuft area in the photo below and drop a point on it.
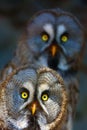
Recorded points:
(7, 71)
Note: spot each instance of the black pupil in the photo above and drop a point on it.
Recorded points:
(25, 94)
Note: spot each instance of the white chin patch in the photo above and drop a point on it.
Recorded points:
(63, 67)
(42, 122)
(20, 123)
(63, 64)
(42, 61)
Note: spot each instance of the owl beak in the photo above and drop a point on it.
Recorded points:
(33, 108)
(53, 50)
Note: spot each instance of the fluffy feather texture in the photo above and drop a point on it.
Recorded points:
(33, 99)
(54, 38)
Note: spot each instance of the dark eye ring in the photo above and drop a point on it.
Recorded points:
(45, 95)
(44, 37)
(64, 37)
(24, 93)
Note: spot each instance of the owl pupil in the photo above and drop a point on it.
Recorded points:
(24, 95)
(44, 96)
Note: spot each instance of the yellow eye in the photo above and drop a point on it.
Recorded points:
(24, 95)
(45, 37)
(64, 38)
(44, 97)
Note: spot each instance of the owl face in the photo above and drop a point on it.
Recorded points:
(35, 99)
(56, 39)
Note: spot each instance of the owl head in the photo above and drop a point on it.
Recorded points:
(52, 38)
(33, 99)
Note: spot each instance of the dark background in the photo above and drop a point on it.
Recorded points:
(13, 17)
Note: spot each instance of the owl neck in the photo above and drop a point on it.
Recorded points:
(68, 73)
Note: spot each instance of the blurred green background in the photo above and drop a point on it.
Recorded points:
(13, 17)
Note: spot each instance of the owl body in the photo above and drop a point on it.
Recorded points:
(33, 99)
(54, 38)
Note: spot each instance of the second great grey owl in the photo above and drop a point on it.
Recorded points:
(54, 38)
(32, 99)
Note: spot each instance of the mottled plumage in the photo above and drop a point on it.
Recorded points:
(33, 99)
(54, 38)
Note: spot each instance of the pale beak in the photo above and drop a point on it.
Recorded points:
(33, 108)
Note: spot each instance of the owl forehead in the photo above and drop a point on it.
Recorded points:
(23, 78)
(39, 21)
(49, 22)
(50, 29)
(68, 21)
(26, 75)
(44, 18)
(47, 77)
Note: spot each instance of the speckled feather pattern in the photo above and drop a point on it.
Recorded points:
(40, 73)
(31, 49)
